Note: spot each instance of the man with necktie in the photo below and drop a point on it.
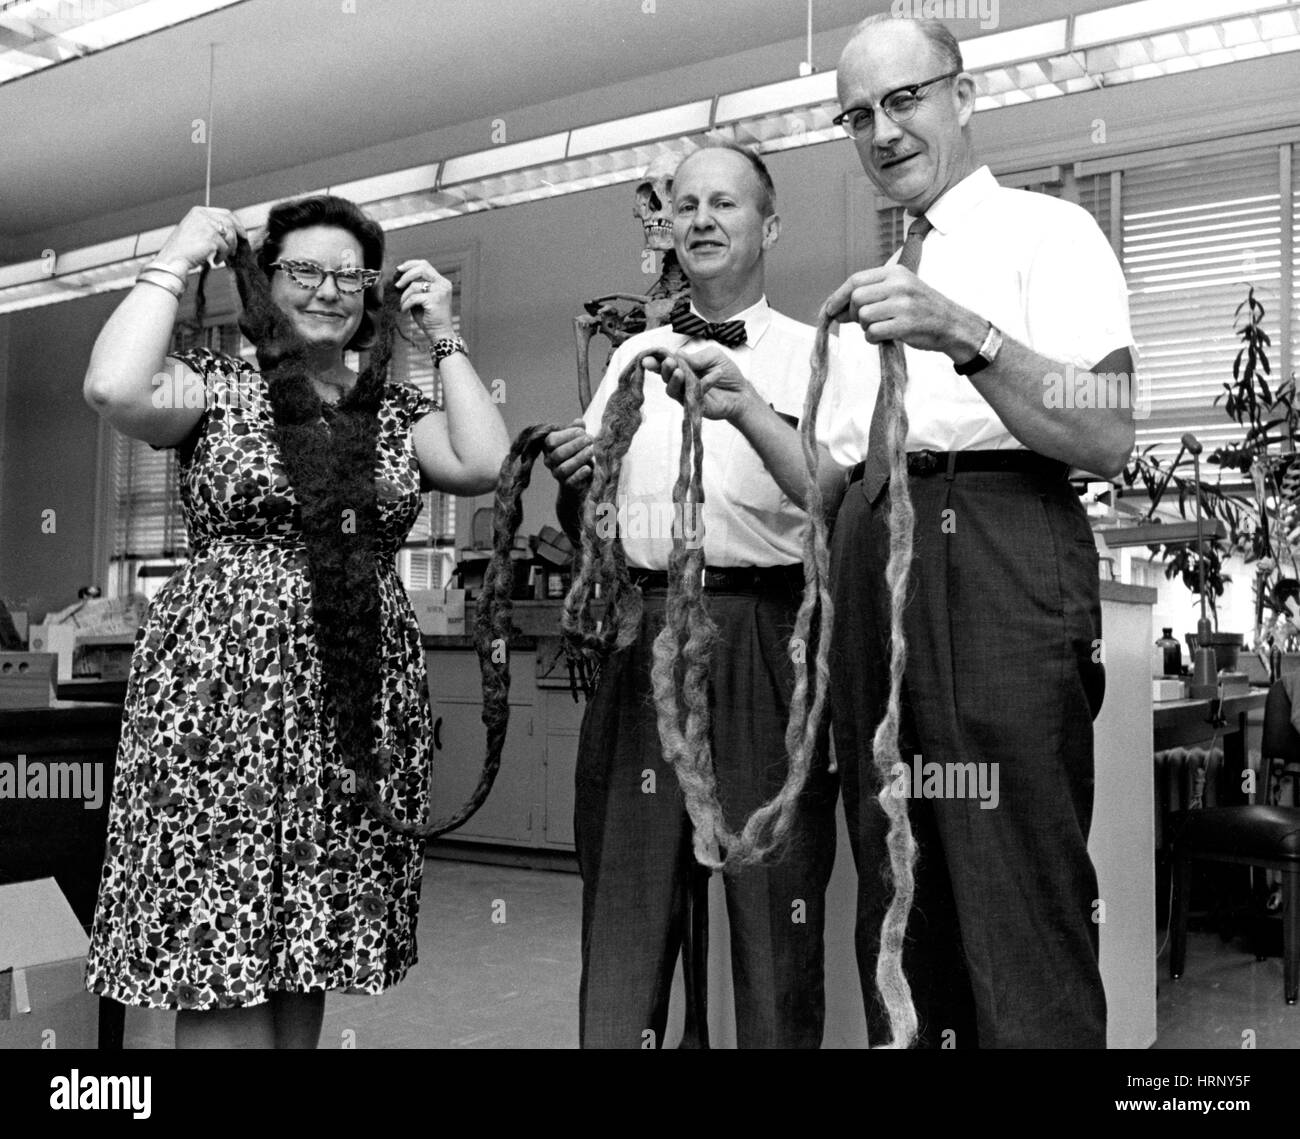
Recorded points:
(632, 833)
(995, 295)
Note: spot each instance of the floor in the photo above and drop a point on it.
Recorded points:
(499, 969)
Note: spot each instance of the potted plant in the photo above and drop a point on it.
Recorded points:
(1257, 516)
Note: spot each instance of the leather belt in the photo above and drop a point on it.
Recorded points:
(925, 463)
(743, 579)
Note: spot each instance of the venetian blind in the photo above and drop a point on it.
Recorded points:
(1295, 264)
(436, 525)
(147, 523)
(1196, 233)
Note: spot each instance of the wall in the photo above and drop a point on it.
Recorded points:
(50, 455)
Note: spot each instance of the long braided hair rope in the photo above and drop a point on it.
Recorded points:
(492, 625)
(891, 983)
(332, 471)
(679, 674)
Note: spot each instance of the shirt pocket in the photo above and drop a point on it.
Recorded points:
(750, 487)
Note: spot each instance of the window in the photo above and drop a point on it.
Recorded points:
(1196, 233)
(147, 537)
(145, 531)
(428, 559)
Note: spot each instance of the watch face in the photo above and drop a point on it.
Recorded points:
(992, 344)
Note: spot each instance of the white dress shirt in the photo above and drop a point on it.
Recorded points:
(1037, 267)
(748, 519)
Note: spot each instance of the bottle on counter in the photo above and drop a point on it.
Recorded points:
(1171, 654)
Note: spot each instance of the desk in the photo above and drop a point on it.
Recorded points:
(1177, 723)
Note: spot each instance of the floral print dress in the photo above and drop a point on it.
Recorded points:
(236, 862)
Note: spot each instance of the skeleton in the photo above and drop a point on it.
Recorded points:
(620, 315)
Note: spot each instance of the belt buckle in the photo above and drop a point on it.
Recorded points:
(924, 462)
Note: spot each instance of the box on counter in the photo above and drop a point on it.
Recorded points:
(440, 612)
(27, 680)
(108, 657)
(58, 639)
(43, 998)
(1167, 688)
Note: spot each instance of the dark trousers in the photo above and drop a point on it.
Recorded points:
(634, 840)
(1003, 626)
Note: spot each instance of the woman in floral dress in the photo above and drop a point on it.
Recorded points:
(245, 875)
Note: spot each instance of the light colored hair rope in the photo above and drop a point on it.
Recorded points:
(679, 674)
(895, 992)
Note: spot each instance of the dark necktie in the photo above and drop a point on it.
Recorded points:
(875, 472)
(729, 332)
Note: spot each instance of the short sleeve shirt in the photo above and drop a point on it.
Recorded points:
(748, 520)
(1037, 267)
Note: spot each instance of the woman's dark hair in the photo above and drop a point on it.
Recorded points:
(325, 209)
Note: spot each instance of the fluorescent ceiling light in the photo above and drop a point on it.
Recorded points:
(92, 256)
(1125, 21)
(509, 156)
(36, 34)
(14, 64)
(685, 119)
(1032, 42)
(23, 273)
(392, 185)
(786, 95)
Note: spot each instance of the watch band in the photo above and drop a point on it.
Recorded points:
(442, 348)
(988, 352)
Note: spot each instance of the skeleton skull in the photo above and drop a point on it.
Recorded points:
(654, 203)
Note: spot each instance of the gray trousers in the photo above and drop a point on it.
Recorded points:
(634, 845)
(1003, 625)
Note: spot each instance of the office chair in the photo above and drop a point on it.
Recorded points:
(1262, 834)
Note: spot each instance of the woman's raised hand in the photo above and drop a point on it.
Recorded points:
(205, 232)
(427, 296)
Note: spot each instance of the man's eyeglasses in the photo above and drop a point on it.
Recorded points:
(309, 275)
(900, 105)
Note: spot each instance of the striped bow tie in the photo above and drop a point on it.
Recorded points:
(730, 333)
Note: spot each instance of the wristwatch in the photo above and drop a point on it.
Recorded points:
(988, 352)
(441, 349)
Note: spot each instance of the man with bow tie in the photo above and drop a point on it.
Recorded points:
(633, 836)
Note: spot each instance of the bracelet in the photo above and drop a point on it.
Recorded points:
(440, 349)
(143, 280)
(162, 269)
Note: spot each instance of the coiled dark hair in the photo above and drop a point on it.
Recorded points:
(332, 472)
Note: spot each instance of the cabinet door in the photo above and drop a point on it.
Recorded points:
(563, 721)
(460, 744)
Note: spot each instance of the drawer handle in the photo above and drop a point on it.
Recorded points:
(437, 734)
